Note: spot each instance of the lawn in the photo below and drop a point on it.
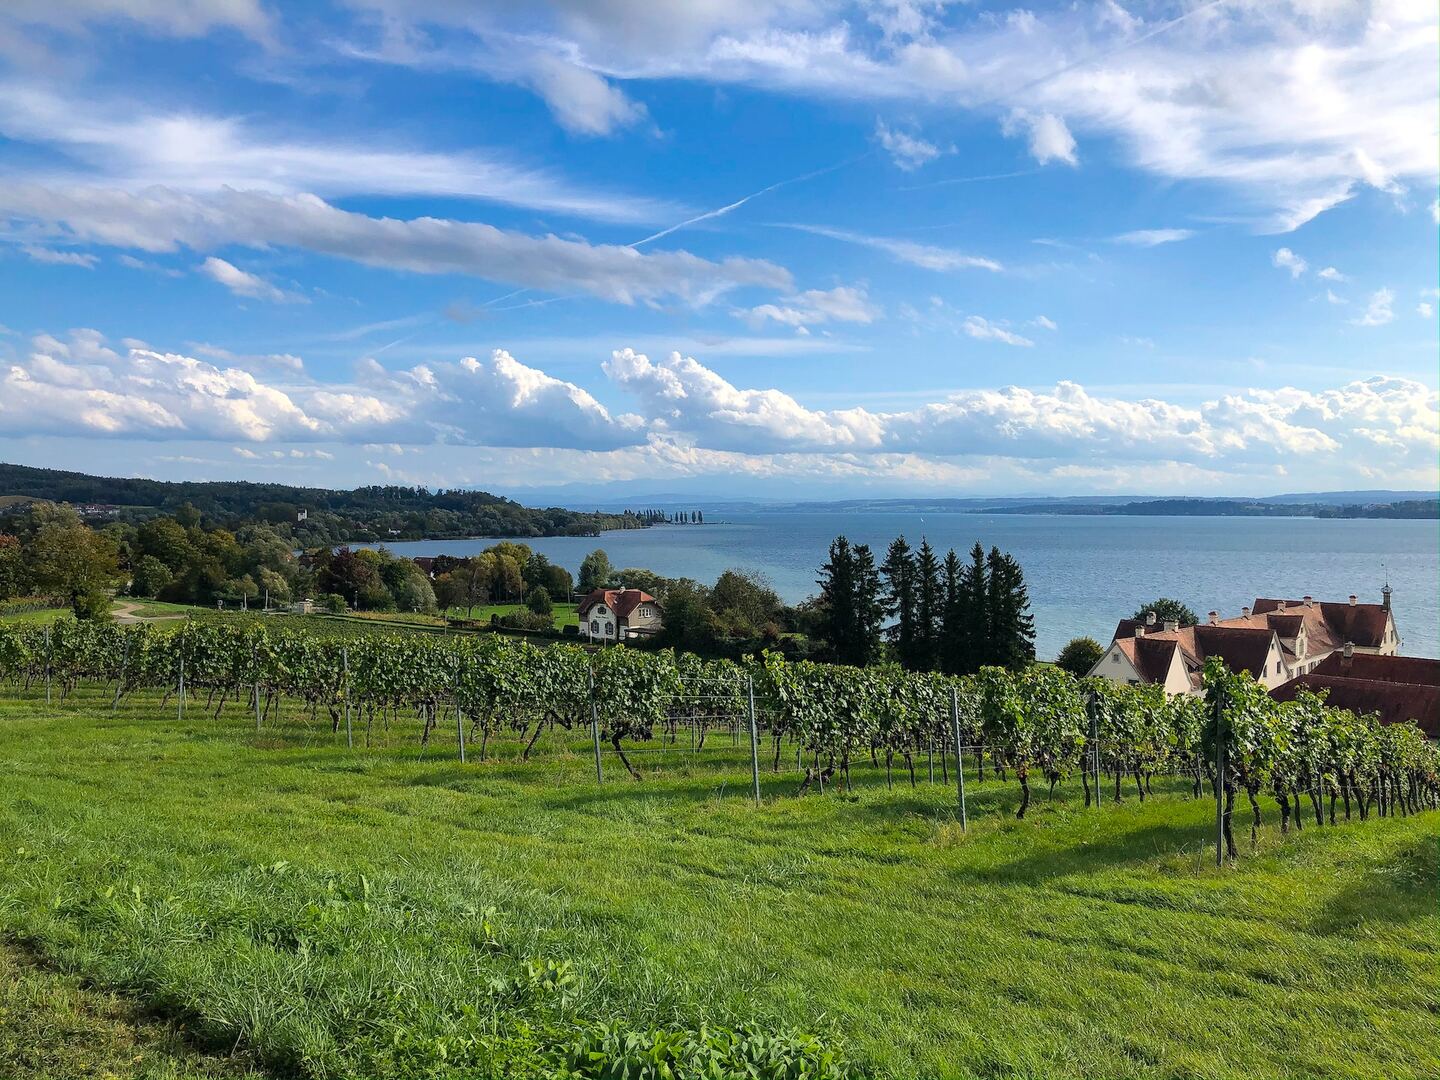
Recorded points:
(564, 613)
(388, 912)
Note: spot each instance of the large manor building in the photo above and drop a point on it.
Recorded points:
(1274, 641)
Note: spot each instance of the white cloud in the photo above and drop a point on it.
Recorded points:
(1424, 310)
(1153, 237)
(582, 101)
(60, 258)
(132, 149)
(814, 307)
(287, 361)
(160, 220)
(1330, 274)
(925, 256)
(1050, 139)
(982, 329)
(79, 387)
(1392, 420)
(909, 152)
(190, 18)
(1285, 259)
(1379, 311)
(1045, 322)
(243, 283)
(1279, 103)
(150, 267)
(1332, 298)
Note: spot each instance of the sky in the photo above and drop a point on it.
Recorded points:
(768, 248)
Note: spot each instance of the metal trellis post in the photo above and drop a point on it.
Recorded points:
(48, 654)
(1219, 777)
(595, 729)
(754, 739)
(345, 674)
(959, 757)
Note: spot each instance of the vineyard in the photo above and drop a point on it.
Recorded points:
(1039, 724)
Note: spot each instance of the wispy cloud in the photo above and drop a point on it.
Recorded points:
(925, 256)
(1153, 237)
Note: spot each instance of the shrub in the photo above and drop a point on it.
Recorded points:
(1079, 655)
(525, 620)
(539, 601)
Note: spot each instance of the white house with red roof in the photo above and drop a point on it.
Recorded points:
(1274, 641)
(611, 615)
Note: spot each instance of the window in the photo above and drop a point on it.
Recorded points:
(594, 627)
(600, 609)
(1114, 658)
(609, 629)
(1277, 667)
(644, 611)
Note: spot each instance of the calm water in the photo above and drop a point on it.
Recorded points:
(1083, 572)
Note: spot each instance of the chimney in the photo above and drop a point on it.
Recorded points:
(1353, 599)
(1347, 656)
(1385, 597)
(1281, 607)
(1149, 618)
(1245, 612)
(1171, 625)
(1309, 601)
(1139, 631)
(1214, 618)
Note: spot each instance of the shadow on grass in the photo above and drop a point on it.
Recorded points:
(1405, 890)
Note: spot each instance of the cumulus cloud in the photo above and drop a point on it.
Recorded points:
(1153, 237)
(925, 256)
(1424, 310)
(982, 329)
(243, 283)
(162, 220)
(1050, 139)
(79, 387)
(1330, 274)
(1390, 419)
(60, 258)
(909, 152)
(844, 303)
(1379, 311)
(1285, 259)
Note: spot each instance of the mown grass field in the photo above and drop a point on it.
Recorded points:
(323, 912)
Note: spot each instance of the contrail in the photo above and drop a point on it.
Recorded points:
(722, 211)
(970, 179)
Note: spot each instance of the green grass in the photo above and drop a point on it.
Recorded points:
(380, 913)
(53, 1026)
(564, 613)
(43, 617)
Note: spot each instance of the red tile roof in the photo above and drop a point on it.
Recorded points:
(1397, 669)
(1394, 702)
(621, 601)
(1333, 624)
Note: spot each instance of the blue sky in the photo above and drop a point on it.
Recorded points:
(790, 248)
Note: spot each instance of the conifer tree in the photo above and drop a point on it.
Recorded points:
(900, 601)
(929, 607)
(1011, 626)
(950, 620)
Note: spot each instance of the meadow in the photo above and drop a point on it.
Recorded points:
(278, 903)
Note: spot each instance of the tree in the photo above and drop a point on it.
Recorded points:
(898, 570)
(635, 577)
(1167, 610)
(538, 601)
(595, 571)
(929, 608)
(850, 596)
(71, 560)
(14, 577)
(150, 578)
(744, 602)
(951, 628)
(969, 615)
(690, 623)
(1011, 638)
(1079, 655)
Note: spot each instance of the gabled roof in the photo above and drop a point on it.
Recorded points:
(1331, 623)
(1150, 657)
(1398, 669)
(1394, 702)
(621, 601)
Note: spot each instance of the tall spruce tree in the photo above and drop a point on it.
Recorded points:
(1011, 626)
(929, 607)
(950, 618)
(972, 616)
(898, 571)
(869, 608)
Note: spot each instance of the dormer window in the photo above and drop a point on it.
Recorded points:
(600, 609)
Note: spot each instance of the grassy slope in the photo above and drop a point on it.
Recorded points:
(285, 892)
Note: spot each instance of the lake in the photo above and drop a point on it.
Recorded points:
(1083, 573)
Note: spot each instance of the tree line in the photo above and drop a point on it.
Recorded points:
(949, 616)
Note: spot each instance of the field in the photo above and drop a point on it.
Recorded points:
(325, 912)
